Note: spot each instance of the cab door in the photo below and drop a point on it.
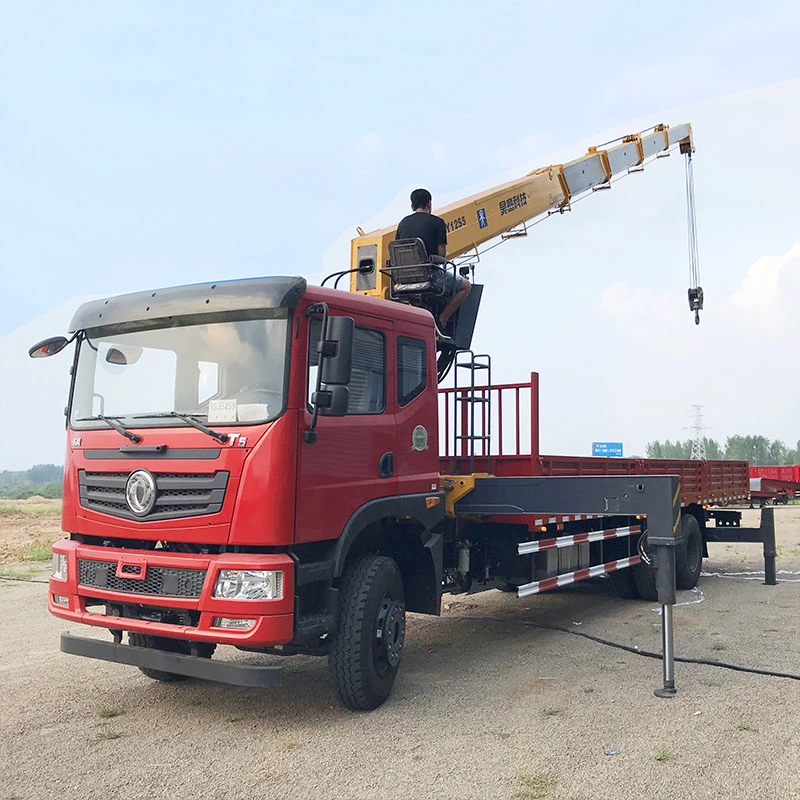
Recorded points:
(353, 459)
(417, 411)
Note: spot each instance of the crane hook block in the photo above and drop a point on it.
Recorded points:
(696, 302)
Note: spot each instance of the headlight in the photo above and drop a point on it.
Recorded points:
(247, 584)
(59, 566)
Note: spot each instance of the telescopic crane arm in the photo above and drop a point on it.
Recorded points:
(504, 210)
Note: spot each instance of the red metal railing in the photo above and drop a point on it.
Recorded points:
(512, 417)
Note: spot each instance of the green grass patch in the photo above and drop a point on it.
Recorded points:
(35, 552)
(22, 574)
(535, 787)
(663, 755)
(107, 735)
(743, 726)
(30, 511)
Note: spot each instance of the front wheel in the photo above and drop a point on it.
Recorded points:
(366, 649)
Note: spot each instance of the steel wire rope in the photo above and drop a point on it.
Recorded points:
(691, 215)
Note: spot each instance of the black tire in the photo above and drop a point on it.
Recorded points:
(624, 584)
(689, 554)
(171, 646)
(366, 649)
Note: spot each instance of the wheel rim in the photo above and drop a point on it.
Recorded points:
(389, 635)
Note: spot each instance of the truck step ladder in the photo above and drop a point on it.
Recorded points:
(473, 413)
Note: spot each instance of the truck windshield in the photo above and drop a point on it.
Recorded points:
(230, 372)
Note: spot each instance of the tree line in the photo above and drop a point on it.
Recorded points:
(42, 479)
(755, 449)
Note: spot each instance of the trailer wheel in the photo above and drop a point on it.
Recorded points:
(171, 646)
(624, 584)
(366, 649)
(689, 555)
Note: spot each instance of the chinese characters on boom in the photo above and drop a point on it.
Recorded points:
(513, 203)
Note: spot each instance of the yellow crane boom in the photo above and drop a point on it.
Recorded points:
(505, 209)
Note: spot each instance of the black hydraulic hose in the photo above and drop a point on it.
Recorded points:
(629, 649)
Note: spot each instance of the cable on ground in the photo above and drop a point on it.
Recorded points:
(629, 648)
(22, 580)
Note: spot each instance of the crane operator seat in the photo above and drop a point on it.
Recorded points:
(416, 277)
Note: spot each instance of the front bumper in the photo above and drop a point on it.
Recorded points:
(190, 666)
(179, 617)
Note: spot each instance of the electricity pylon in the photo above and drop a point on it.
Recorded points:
(698, 433)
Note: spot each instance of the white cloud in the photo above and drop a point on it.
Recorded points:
(622, 299)
(762, 293)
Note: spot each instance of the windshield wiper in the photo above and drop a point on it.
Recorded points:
(116, 425)
(220, 437)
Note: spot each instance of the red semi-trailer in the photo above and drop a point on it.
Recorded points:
(774, 484)
(786, 472)
(271, 465)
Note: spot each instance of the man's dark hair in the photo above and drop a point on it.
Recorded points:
(420, 198)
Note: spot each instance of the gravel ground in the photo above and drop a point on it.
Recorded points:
(481, 708)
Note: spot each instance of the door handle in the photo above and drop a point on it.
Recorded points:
(386, 467)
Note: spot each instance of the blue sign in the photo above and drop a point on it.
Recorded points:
(607, 449)
(482, 221)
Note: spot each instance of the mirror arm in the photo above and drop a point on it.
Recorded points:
(310, 434)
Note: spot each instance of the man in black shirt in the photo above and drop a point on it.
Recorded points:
(422, 224)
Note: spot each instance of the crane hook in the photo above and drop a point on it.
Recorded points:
(696, 302)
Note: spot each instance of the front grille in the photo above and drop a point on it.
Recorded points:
(178, 494)
(163, 581)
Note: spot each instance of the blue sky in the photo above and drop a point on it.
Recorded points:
(152, 143)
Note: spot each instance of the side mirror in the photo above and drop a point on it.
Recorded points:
(332, 401)
(48, 347)
(123, 355)
(337, 351)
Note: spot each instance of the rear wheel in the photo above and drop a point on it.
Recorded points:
(365, 653)
(689, 554)
(180, 646)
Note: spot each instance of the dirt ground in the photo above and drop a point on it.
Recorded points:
(485, 705)
(26, 525)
